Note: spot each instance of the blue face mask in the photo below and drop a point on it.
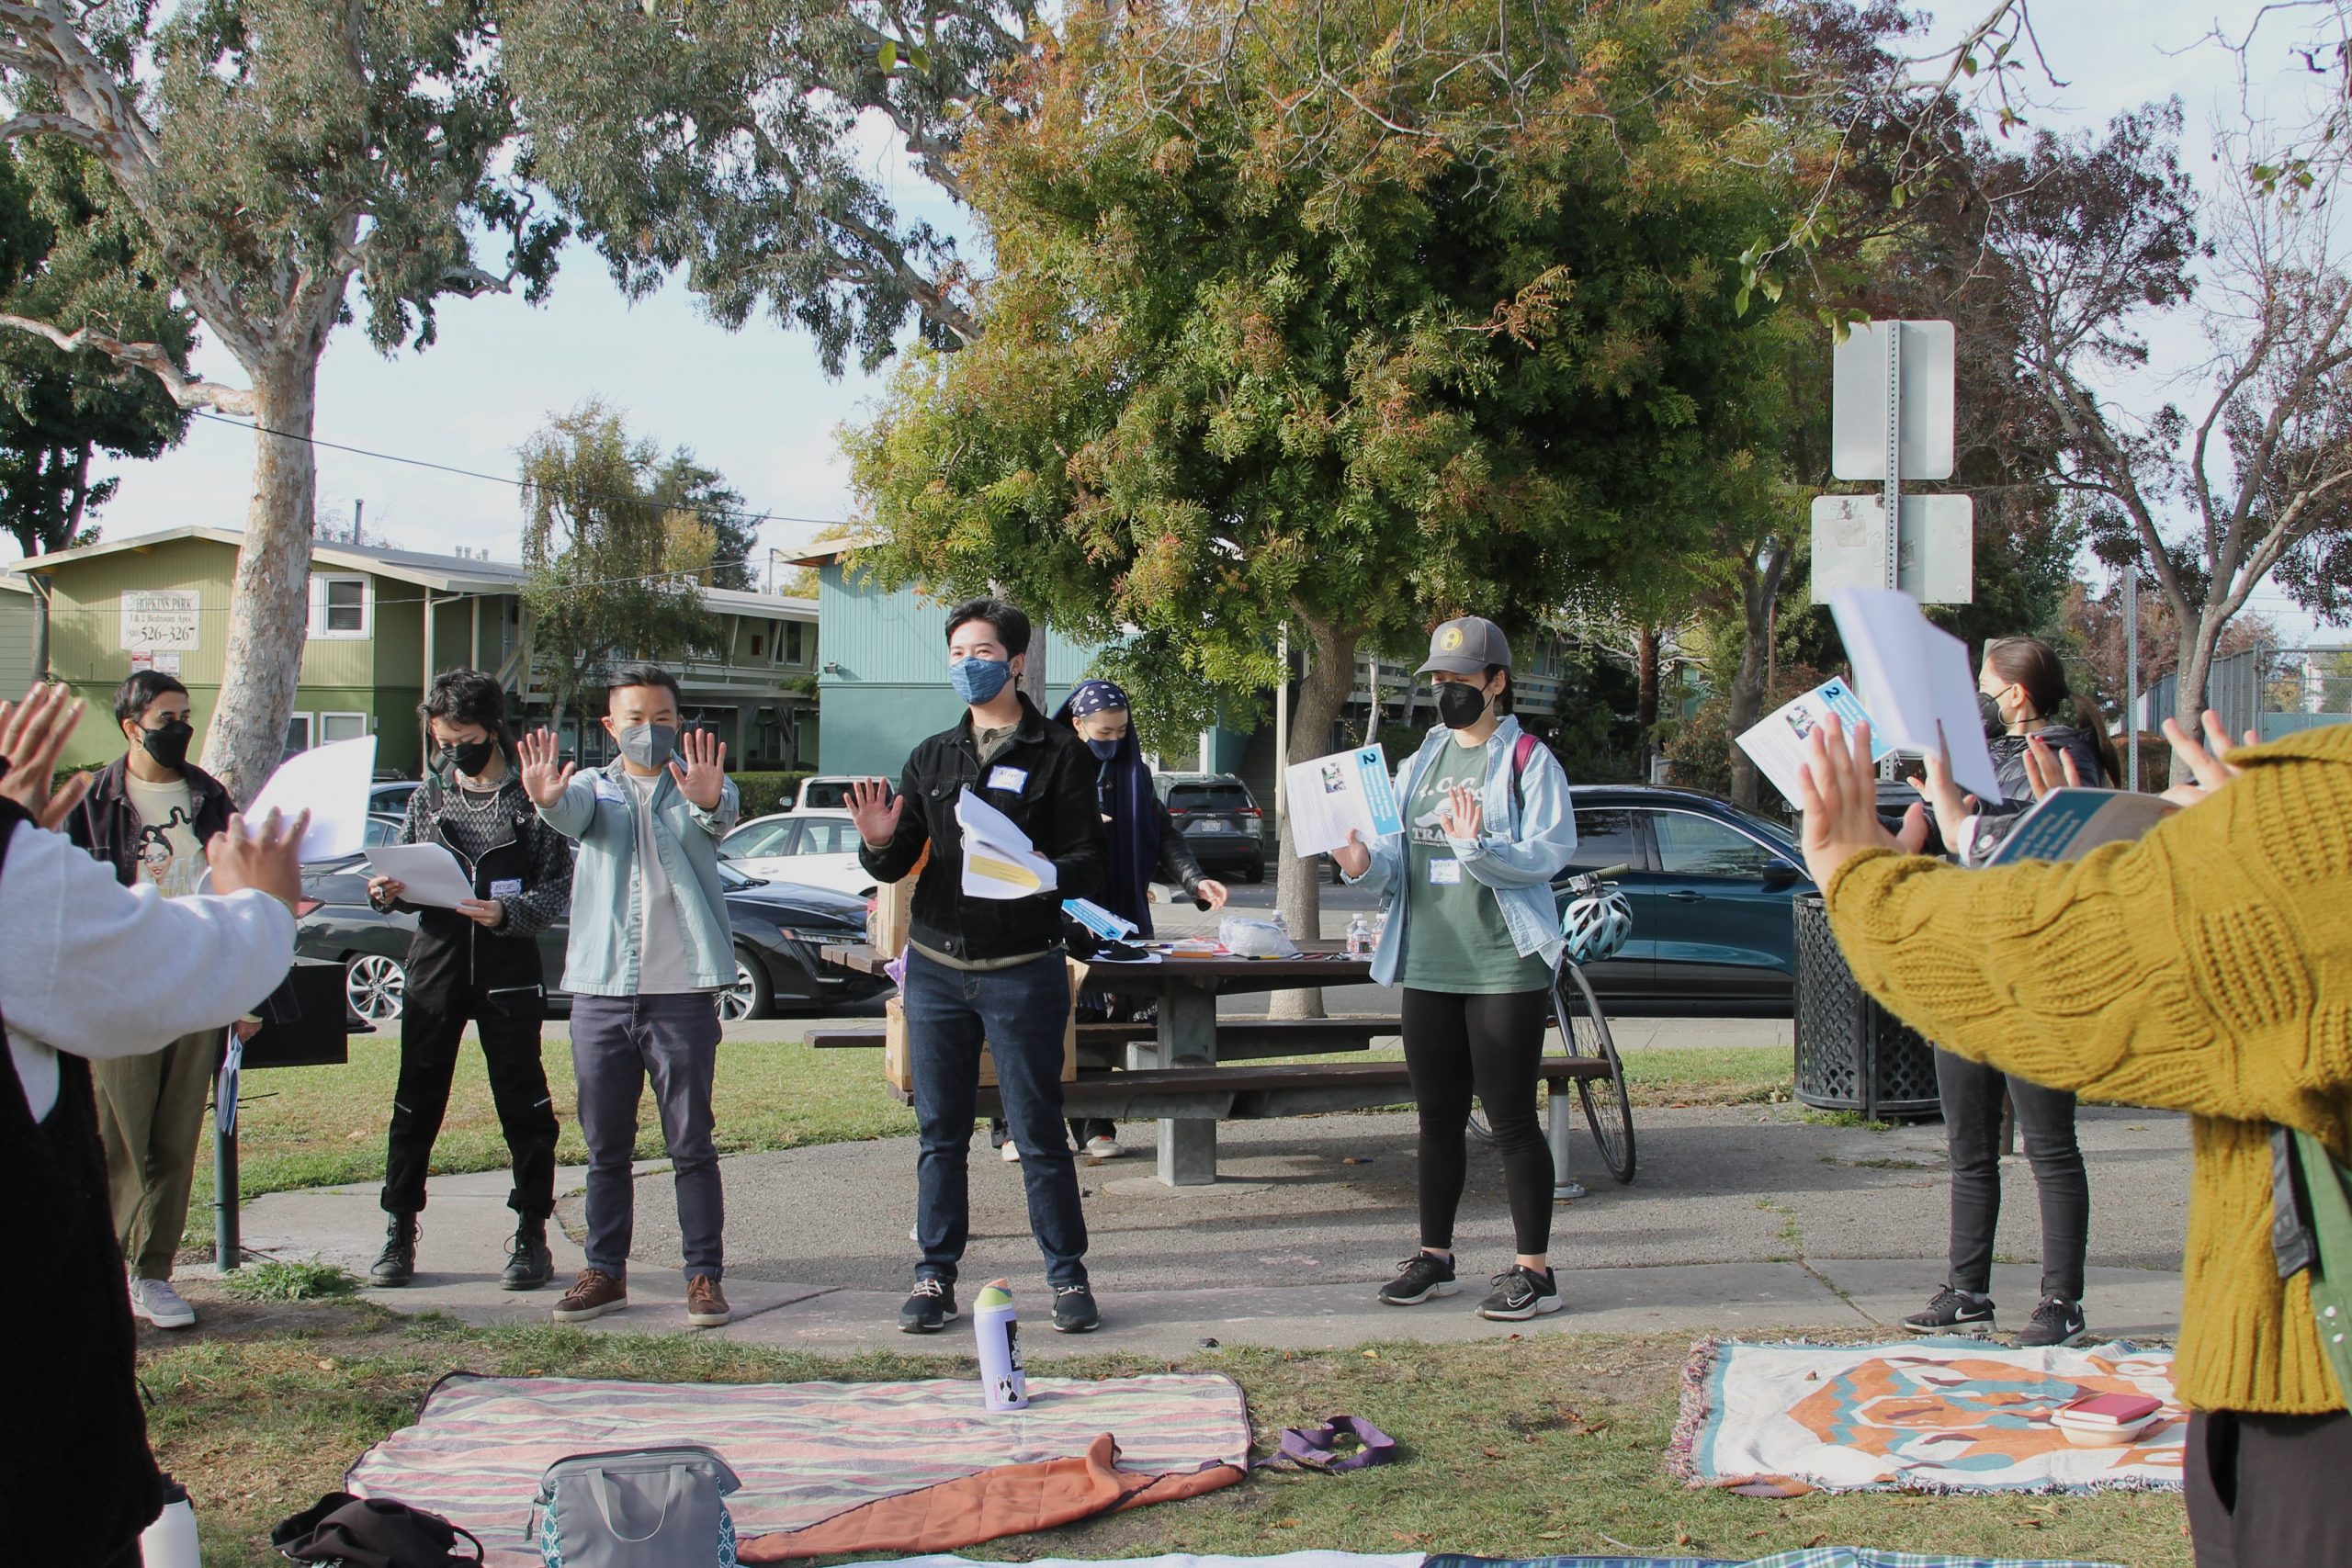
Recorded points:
(1106, 749)
(977, 680)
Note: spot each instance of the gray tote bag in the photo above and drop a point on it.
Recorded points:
(636, 1509)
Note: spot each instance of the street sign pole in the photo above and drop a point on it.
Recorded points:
(2131, 665)
(1894, 488)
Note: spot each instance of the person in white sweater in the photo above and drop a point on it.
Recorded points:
(90, 968)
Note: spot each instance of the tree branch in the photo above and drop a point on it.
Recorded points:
(187, 391)
(62, 126)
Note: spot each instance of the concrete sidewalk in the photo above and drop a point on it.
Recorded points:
(1744, 1220)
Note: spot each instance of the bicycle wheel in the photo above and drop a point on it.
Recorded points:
(1583, 1030)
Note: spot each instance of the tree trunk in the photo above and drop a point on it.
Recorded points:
(1645, 676)
(1760, 590)
(269, 602)
(2198, 641)
(1298, 894)
(40, 632)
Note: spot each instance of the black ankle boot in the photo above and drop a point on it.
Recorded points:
(530, 1264)
(396, 1265)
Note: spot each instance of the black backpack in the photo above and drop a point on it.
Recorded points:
(372, 1532)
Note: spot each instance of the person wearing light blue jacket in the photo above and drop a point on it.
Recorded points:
(1472, 935)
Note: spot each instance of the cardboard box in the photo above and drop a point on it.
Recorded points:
(897, 1067)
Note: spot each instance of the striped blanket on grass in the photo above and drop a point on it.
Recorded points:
(805, 1452)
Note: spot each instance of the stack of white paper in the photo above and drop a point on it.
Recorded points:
(429, 875)
(1329, 796)
(998, 859)
(331, 784)
(1777, 745)
(1916, 682)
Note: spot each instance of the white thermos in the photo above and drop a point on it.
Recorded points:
(170, 1542)
(1002, 1383)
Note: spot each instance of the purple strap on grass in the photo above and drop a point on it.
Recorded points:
(1317, 1448)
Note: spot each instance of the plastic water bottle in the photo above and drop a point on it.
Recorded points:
(999, 1332)
(1359, 936)
(170, 1542)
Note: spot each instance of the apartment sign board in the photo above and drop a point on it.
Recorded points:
(161, 621)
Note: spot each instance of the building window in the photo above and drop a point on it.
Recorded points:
(792, 651)
(338, 607)
(755, 644)
(297, 734)
(334, 726)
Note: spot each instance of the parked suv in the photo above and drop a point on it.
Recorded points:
(1220, 821)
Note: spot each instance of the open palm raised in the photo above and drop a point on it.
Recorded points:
(702, 777)
(545, 775)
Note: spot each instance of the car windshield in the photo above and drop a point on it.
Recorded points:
(1774, 832)
(1208, 797)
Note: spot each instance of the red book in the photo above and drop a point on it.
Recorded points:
(2108, 1410)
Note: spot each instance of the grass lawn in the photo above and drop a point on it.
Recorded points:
(1511, 1448)
(323, 1126)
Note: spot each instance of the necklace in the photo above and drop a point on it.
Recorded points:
(466, 791)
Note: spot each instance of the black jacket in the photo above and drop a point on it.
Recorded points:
(2008, 763)
(108, 825)
(513, 857)
(1044, 780)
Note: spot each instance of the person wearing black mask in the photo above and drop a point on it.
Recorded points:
(148, 815)
(476, 963)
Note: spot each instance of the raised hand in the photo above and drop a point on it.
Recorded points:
(2208, 762)
(1951, 806)
(875, 810)
(268, 858)
(1464, 813)
(701, 778)
(1837, 790)
(1354, 857)
(544, 778)
(33, 735)
(2046, 770)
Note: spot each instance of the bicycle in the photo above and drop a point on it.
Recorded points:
(1583, 1034)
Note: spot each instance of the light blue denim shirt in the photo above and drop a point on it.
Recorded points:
(1519, 852)
(601, 958)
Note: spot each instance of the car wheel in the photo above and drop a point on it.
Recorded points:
(749, 996)
(375, 987)
(1256, 872)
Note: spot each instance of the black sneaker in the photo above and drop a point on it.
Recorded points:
(931, 1307)
(1423, 1277)
(1074, 1310)
(2054, 1321)
(530, 1264)
(396, 1265)
(1950, 1309)
(1520, 1293)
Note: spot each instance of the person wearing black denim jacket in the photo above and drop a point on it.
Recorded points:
(986, 968)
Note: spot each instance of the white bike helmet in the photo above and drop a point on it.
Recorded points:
(1596, 925)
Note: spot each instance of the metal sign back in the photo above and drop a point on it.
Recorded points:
(1938, 546)
(1859, 396)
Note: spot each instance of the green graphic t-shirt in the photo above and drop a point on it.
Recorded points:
(1454, 937)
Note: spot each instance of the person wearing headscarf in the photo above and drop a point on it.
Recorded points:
(1145, 846)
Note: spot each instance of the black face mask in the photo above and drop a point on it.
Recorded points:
(168, 743)
(468, 756)
(1990, 706)
(1461, 705)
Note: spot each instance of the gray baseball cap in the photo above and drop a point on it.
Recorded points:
(1466, 646)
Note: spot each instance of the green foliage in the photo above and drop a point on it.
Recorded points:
(1244, 365)
(69, 254)
(765, 793)
(614, 566)
(276, 1280)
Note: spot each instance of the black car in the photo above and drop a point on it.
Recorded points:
(1711, 886)
(1220, 820)
(778, 928)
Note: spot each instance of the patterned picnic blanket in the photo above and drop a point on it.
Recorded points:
(1941, 1414)
(805, 1451)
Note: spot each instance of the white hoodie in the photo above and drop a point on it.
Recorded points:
(93, 968)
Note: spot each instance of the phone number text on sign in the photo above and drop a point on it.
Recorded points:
(160, 620)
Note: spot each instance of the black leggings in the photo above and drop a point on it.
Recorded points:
(2045, 1117)
(1456, 1046)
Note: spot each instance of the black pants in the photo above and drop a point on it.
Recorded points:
(431, 1029)
(1456, 1046)
(2045, 1118)
(2268, 1491)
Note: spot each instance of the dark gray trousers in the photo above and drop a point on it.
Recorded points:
(617, 1043)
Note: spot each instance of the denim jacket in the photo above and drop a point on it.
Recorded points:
(1519, 865)
(601, 959)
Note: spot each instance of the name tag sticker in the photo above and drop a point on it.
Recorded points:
(1445, 872)
(1013, 779)
(605, 789)
(506, 888)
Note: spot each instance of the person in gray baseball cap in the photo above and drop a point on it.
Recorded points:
(1472, 936)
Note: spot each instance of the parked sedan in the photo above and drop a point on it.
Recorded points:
(1220, 819)
(813, 848)
(1711, 886)
(778, 928)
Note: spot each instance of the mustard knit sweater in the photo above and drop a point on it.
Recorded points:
(2206, 968)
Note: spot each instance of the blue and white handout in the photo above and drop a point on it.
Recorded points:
(1331, 795)
(1777, 745)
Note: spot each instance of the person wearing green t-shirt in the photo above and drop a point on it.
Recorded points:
(1472, 935)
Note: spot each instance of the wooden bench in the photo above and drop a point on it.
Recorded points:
(1245, 1039)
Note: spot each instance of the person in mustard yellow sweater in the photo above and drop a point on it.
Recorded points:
(2206, 968)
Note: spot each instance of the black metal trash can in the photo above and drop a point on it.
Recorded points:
(1852, 1054)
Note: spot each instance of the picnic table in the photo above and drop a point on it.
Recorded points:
(1174, 1075)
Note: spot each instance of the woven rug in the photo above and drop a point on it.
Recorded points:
(1942, 1414)
(805, 1451)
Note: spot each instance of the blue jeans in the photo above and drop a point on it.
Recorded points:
(1020, 1013)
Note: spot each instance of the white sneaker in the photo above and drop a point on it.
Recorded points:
(155, 1301)
(1011, 1152)
(1104, 1148)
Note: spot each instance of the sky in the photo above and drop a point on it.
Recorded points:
(756, 405)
